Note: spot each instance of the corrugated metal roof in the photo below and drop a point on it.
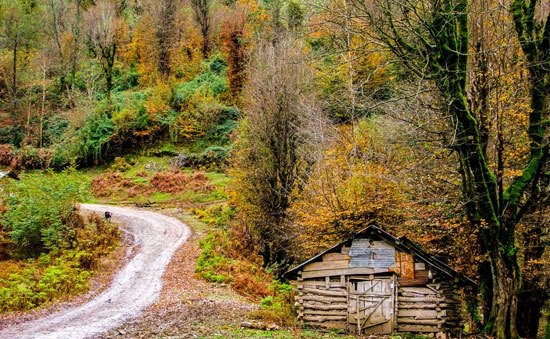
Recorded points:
(402, 243)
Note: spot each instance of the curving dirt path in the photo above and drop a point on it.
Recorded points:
(136, 286)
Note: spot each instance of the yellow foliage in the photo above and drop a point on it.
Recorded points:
(349, 188)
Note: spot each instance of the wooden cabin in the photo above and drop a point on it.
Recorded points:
(375, 283)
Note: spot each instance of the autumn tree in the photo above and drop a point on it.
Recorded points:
(19, 22)
(165, 33)
(202, 14)
(432, 40)
(280, 131)
(532, 23)
(104, 34)
(235, 48)
(64, 28)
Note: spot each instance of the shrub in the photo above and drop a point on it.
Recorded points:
(120, 165)
(216, 215)
(93, 138)
(7, 154)
(278, 306)
(220, 263)
(33, 287)
(31, 283)
(212, 157)
(176, 181)
(33, 222)
(33, 158)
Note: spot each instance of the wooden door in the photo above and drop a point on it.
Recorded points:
(371, 305)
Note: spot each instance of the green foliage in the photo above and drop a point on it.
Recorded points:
(120, 165)
(129, 111)
(295, 15)
(34, 286)
(54, 128)
(216, 215)
(278, 306)
(33, 221)
(210, 82)
(94, 137)
(210, 260)
(61, 272)
(212, 157)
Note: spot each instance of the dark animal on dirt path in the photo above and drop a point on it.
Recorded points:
(108, 216)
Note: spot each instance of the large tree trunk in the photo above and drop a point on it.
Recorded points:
(530, 304)
(502, 322)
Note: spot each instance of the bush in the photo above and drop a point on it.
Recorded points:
(33, 158)
(33, 222)
(120, 165)
(34, 287)
(31, 283)
(278, 306)
(219, 262)
(93, 138)
(7, 154)
(213, 157)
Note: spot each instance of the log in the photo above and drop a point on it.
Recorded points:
(418, 299)
(321, 299)
(418, 313)
(340, 325)
(419, 296)
(324, 318)
(323, 312)
(315, 283)
(325, 292)
(326, 307)
(417, 290)
(416, 305)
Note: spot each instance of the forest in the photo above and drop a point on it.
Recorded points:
(285, 126)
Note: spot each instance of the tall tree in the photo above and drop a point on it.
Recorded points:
(432, 40)
(19, 22)
(165, 32)
(104, 34)
(202, 12)
(281, 126)
(532, 23)
(235, 48)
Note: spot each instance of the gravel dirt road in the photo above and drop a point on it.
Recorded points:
(136, 286)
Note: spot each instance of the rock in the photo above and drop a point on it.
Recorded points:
(121, 332)
(440, 335)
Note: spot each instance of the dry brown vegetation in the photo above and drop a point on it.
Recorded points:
(174, 181)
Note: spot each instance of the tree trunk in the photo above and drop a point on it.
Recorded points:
(14, 85)
(505, 270)
(530, 304)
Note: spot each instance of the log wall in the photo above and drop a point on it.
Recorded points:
(323, 302)
(429, 309)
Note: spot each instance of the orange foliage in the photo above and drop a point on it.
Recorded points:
(348, 189)
(177, 181)
(113, 183)
(6, 155)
